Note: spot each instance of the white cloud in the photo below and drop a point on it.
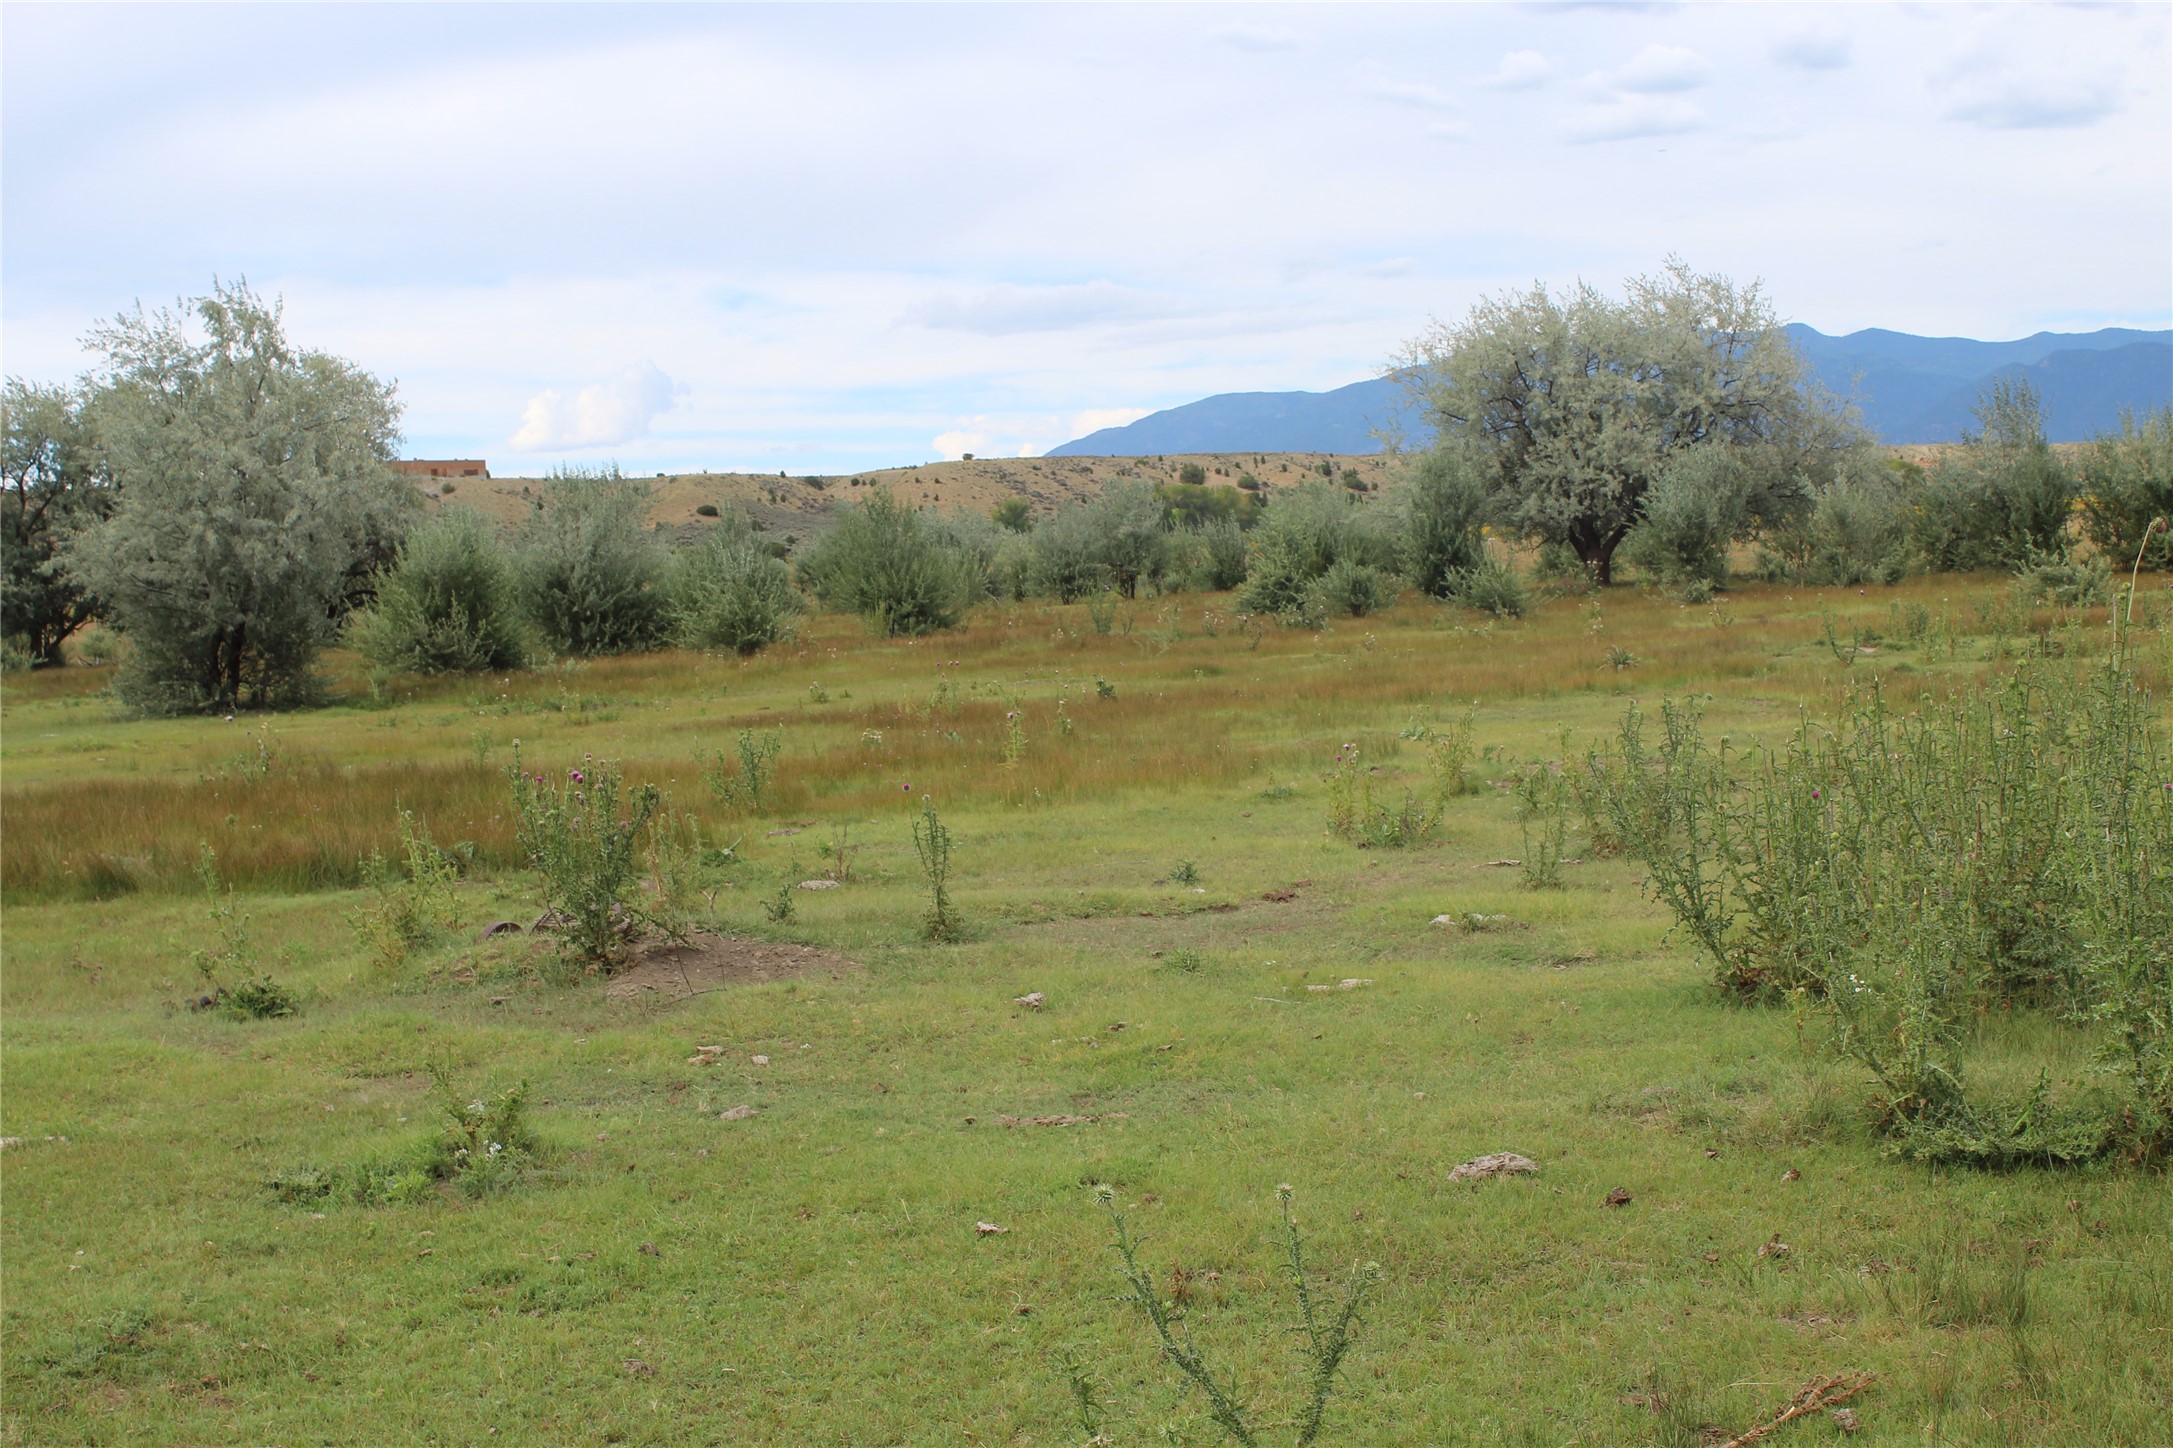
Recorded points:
(1008, 309)
(1094, 419)
(1410, 93)
(602, 414)
(2004, 99)
(1628, 118)
(1520, 70)
(1257, 37)
(1662, 69)
(1813, 50)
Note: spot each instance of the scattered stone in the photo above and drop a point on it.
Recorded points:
(1494, 1164)
(988, 1229)
(818, 885)
(1774, 1247)
(1711, 1154)
(736, 1113)
(1504, 864)
(1845, 1419)
(500, 927)
(706, 1056)
(1791, 1175)
(762, 1060)
(1619, 1198)
(1033, 1000)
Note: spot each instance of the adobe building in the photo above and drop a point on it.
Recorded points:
(442, 468)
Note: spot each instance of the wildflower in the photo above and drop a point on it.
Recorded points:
(578, 777)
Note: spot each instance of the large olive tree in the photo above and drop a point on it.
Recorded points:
(1573, 405)
(253, 496)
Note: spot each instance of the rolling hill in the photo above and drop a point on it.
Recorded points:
(1910, 389)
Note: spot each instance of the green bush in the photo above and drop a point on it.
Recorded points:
(728, 593)
(592, 577)
(582, 833)
(1854, 528)
(886, 563)
(1311, 530)
(2127, 480)
(1491, 586)
(1208, 557)
(1697, 507)
(1192, 475)
(2001, 849)
(450, 603)
(1355, 589)
(2003, 499)
(1444, 507)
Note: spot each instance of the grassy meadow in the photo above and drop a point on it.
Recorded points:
(1154, 861)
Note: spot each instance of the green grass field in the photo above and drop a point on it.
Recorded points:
(812, 1274)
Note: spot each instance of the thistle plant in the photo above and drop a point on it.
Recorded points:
(932, 842)
(2001, 850)
(411, 909)
(1325, 1330)
(228, 966)
(1542, 796)
(1014, 736)
(743, 784)
(1355, 815)
(582, 833)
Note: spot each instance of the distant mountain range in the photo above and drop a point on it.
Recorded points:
(1911, 389)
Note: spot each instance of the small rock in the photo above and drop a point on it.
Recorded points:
(1618, 1198)
(988, 1229)
(762, 1060)
(706, 1056)
(818, 885)
(1791, 1175)
(1774, 1247)
(648, 1249)
(1033, 1000)
(736, 1113)
(1500, 1163)
(1845, 1419)
(635, 1367)
(1711, 1154)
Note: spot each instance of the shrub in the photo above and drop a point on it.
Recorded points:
(707, 510)
(2127, 480)
(932, 842)
(1491, 586)
(1064, 561)
(1853, 529)
(1355, 815)
(1013, 515)
(410, 911)
(744, 785)
(483, 1146)
(1696, 507)
(450, 603)
(1305, 535)
(592, 576)
(728, 593)
(1356, 589)
(582, 834)
(2003, 499)
(1208, 557)
(1325, 1334)
(227, 963)
(1192, 475)
(1444, 505)
(2005, 848)
(886, 563)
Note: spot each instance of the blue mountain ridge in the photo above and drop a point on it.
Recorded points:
(1910, 390)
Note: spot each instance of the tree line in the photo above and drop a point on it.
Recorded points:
(224, 503)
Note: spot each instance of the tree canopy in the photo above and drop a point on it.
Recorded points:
(252, 501)
(1573, 406)
(52, 484)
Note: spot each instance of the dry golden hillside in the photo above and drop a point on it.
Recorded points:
(801, 504)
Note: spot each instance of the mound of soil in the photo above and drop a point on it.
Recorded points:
(663, 970)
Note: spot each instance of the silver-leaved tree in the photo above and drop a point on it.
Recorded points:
(1574, 407)
(253, 501)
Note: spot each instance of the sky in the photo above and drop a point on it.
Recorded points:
(827, 238)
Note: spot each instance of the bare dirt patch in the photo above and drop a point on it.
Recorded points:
(662, 970)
